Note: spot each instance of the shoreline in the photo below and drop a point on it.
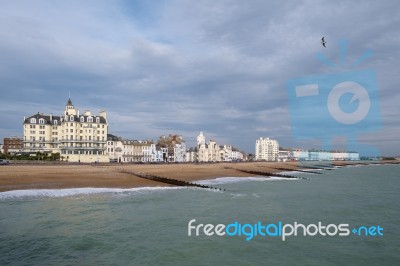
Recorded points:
(68, 176)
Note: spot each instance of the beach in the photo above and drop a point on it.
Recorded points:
(59, 176)
(50, 176)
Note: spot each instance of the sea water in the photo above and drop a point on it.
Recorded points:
(149, 226)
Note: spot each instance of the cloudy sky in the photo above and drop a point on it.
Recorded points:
(161, 67)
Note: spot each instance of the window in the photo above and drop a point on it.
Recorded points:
(66, 118)
(55, 122)
(82, 119)
(33, 121)
(90, 119)
(71, 130)
(97, 119)
(33, 132)
(41, 121)
(71, 118)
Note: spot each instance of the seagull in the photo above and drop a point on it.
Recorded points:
(323, 41)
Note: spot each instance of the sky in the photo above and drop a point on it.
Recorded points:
(181, 67)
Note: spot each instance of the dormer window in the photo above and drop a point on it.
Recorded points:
(90, 119)
(55, 122)
(41, 121)
(82, 119)
(97, 119)
(71, 118)
(33, 121)
(66, 118)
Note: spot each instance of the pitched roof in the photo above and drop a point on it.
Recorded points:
(48, 119)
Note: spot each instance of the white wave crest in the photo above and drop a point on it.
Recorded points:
(292, 172)
(56, 193)
(230, 180)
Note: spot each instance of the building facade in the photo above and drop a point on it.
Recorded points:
(12, 145)
(173, 148)
(212, 152)
(313, 155)
(267, 149)
(133, 151)
(77, 137)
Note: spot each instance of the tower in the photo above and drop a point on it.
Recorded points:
(201, 140)
(69, 108)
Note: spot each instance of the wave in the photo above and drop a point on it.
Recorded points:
(292, 172)
(56, 193)
(230, 180)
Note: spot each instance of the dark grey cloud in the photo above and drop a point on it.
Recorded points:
(182, 67)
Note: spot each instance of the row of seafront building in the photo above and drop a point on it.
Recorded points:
(268, 150)
(84, 137)
(170, 148)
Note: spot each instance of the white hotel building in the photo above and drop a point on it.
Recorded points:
(267, 149)
(77, 137)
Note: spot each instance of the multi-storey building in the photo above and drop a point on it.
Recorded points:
(132, 151)
(320, 155)
(12, 145)
(77, 137)
(267, 149)
(173, 148)
(212, 152)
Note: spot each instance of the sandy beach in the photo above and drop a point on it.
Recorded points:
(46, 176)
(50, 176)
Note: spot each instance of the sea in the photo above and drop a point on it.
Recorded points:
(150, 226)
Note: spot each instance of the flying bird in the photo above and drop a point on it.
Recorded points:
(323, 42)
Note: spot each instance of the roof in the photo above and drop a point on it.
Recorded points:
(111, 137)
(49, 119)
(69, 102)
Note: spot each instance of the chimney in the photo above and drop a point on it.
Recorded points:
(51, 117)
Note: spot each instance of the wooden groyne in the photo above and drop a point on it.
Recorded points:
(296, 170)
(166, 180)
(260, 173)
(315, 167)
